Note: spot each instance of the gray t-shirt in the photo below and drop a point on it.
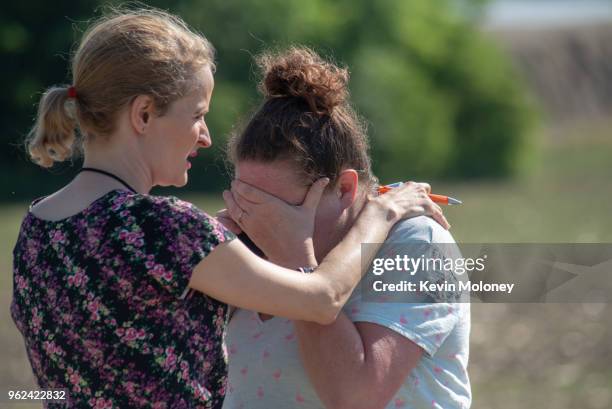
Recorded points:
(265, 370)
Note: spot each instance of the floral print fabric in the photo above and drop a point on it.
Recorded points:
(103, 304)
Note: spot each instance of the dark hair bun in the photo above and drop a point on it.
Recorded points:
(300, 72)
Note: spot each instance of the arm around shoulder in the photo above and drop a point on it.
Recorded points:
(233, 274)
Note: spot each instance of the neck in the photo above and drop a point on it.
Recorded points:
(344, 223)
(121, 161)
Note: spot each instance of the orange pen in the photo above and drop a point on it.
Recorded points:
(447, 200)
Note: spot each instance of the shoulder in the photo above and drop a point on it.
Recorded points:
(421, 229)
(160, 203)
(161, 208)
(170, 214)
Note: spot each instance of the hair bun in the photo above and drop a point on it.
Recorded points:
(300, 72)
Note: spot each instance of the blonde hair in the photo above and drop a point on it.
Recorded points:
(122, 55)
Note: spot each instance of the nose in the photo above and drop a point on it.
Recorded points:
(204, 139)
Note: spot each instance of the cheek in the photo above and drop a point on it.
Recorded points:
(323, 221)
(180, 133)
(156, 144)
(186, 133)
(326, 219)
(325, 235)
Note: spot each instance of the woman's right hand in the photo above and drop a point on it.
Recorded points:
(411, 200)
(282, 231)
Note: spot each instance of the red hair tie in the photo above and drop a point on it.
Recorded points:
(72, 92)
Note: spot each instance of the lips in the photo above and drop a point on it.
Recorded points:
(191, 155)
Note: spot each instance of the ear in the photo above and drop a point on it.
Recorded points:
(142, 110)
(347, 185)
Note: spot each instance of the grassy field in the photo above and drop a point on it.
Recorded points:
(522, 356)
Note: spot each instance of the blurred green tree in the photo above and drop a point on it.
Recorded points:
(440, 99)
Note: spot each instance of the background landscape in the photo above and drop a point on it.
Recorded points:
(504, 104)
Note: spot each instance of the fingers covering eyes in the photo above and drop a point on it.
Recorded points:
(250, 193)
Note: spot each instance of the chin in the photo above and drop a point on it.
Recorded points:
(182, 182)
(176, 182)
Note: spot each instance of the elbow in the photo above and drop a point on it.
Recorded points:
(329, 304)
(328, 314)
(328, 308)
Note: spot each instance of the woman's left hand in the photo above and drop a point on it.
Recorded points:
(282, 231)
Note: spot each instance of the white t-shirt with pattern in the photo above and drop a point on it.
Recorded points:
(265, 370)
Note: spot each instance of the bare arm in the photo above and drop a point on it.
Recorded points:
(377, 359)
(231, 273)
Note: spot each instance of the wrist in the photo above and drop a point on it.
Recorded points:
(383, 210)
(295, 263)
(296, 259)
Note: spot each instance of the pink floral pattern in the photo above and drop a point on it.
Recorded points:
(98, 299)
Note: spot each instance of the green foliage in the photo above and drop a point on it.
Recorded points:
(441, 101)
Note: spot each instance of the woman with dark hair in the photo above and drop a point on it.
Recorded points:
(411, 354)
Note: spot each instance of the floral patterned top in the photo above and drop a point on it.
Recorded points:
(103, 304)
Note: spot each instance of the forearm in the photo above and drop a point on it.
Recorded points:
(335, 360)
(355, 365)
(345, 264)
(297, 259)
(271, 289)
(233, 274)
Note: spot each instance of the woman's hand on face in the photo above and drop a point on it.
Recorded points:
(282, 231)
(411, 200)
